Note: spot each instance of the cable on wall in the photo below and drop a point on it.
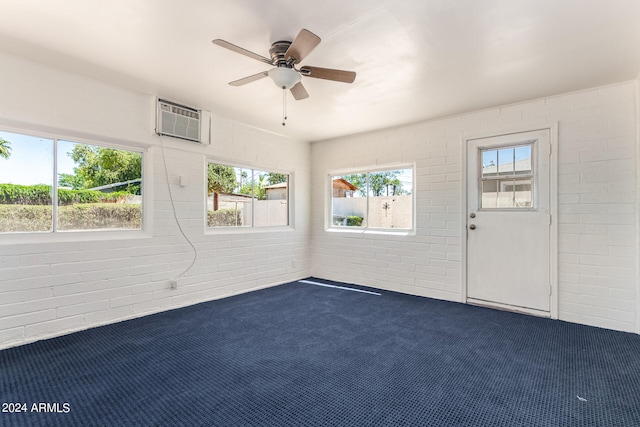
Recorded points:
(175, 215)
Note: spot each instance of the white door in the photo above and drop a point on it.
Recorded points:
(509, 222)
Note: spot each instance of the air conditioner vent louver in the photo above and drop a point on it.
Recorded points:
(180, 121)
(185, 112)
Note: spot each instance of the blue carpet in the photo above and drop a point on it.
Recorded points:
(305, 355)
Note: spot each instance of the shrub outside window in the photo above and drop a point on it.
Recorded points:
(380, 199)
(243, 197)
(95, 187)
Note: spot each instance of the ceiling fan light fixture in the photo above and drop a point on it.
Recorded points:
(284, 77)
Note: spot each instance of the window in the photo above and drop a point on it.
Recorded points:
(507, 177)
(241, 197)
(379, 199)
(52, 185)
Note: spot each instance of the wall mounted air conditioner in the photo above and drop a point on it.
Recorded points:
(181, 121)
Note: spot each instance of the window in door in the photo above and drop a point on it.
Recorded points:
(507, 177)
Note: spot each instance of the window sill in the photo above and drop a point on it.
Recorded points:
(71, 236)
(248, 230)
(366, 231)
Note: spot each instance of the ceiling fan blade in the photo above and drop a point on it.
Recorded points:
(328, 74)
(304, 43)
(249, 79)
(241, 51)
(299, 92)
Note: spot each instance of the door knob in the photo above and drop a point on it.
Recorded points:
(472, 226)
(472, 215)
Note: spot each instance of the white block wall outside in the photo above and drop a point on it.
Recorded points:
(54, 284)
(597, 203)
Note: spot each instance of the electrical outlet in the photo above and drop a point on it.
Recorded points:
(174, 284)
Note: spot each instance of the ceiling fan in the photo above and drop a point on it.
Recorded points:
(285, 56)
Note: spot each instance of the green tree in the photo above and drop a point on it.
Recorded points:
(377, 182)
(359, 180)
(97, 166)
(380, 183)
(276, 178)
(396, 187)
(256, 187)
(243, 175)
(5, 148)
(220, 179)
(74, 182)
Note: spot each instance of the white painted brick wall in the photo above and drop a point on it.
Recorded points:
(597, 202)
(49, 288)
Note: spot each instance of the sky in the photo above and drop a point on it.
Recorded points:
(505, 155)
(31, 160)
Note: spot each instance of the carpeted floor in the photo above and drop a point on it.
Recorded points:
(306, 355)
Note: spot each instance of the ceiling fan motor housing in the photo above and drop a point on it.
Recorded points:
(277, 51)
(284, 75)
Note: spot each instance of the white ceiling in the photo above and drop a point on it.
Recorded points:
(415, 59)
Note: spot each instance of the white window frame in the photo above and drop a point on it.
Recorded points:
(252, 228)
(29, 237)
(329, 227)
(532, 176)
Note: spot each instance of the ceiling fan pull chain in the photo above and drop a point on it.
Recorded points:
(284, 106)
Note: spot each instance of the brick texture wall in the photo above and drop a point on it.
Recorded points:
(597, 203)
(51, 285)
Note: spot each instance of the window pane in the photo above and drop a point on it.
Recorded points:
(505, 161)
(489, 195)
(271, 203)
(240, 203)
(98, 187)
(349, 200)
(489, 163)
(517, 193)
(240, 197)
(390, 199)
(229, 196)
(378, 199)
(523, 160)
(512, 193)
(26, 181)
